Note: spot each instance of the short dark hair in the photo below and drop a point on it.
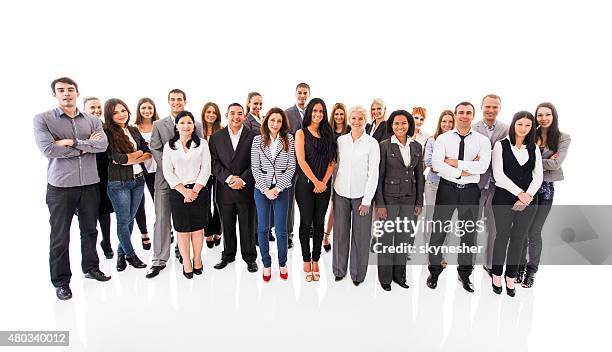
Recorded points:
(465, 103)
(234, 104)
(492, 96)
(302, 85)
(530, 139)
(177, 91)
(194, 135)
(400, 113)
(66, 80)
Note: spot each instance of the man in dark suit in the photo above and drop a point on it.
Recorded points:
(230, 150)
(295, 115)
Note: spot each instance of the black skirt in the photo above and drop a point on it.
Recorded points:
(188, 217)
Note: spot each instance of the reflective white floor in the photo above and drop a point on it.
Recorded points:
(233, 309)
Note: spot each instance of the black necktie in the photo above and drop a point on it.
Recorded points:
(461, 146)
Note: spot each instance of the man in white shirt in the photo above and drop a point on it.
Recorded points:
(460, 156)
(495, 131)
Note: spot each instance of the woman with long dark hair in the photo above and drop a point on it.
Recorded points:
(517, 168)
(315, 149)
(273, 166)
(211, 121)
(146, 114)
(554, 146)
(127, 151)
(399, 195)
(187, 165)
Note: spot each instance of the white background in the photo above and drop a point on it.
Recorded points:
(431, 54)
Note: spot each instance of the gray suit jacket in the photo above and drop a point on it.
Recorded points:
(252, 124)
(552, 168)
(163, 131)
(295, 119)
(499, 132)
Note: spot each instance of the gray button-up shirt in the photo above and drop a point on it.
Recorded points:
(75, 165)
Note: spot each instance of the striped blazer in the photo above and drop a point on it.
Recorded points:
(265, 167)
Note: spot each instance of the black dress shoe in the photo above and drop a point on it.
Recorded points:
(496, 289)
(339, 278)
(290, 243)
(63, 292)
(327, 247)
(109, 255)
(271, 238)
(154, 271)
(135, 262)
(510, 291)
(402, 284)
(252, 267)
(121, 264)
(488, 271)
(217, 241)
(356, 283)
(386, 287)
(529, 280)
(466, 283)
(223, 263)
(210, 244)
(96, 274)
(432, 281)
(520, 276)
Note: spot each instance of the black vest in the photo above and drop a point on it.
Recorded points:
(521, 175)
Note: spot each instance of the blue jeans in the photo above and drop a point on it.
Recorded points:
(126, 197)
(264, 206)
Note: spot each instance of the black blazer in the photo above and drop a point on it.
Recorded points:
(381, 132)
(117, 171)
(398, 184)
(226, 162)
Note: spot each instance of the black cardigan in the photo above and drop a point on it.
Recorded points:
(117, 171)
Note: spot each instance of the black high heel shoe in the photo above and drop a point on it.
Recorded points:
(520, 276)
(496, 289)
(146, 246)
(528, 280)
(217, 241)
(196, 270)
(188, 275)
(510, 291)
(210, 244)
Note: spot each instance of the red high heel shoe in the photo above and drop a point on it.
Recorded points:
(266, 278)
(284, 276)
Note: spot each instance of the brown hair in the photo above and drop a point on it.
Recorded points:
(217, 124)
(284, 130)
(139, 118)
(439, 127)
(117, 139)
(249, 97)
(332, 122)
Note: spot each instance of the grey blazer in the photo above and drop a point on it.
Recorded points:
(252, 123)
(398, 184)
(163, 131)
(552, 168)
(500, 132)
(295, 119)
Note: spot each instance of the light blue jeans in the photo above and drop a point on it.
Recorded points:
(126, 197)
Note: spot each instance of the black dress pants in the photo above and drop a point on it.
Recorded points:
(141, 215)
(511, 229)
(448, 199)
(532, 244)
(63, 202)
(245, 212)
(392, 266)
(313, 207)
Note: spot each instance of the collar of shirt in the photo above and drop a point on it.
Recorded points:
(258, 119)
(523, 146)
(302, 112)
(237, 135)
(60, 113)
(456, 131)
(396, 141)
(487, 126)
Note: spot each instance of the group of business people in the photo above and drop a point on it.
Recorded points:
(255, 169)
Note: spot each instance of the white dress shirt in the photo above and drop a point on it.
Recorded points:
(135, 167)
(188, 167)
(235, 138)
(404, 149)
(273, 150)
(422, 137)
(149, 164)
(522, 156)
(357, 167)
(447, 146)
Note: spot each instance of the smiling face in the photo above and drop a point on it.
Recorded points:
(400, 126)
(464, 116)
(146, 110)
(275, 122)
(418, 121)
(317, 114)
(490, 109)
(339, 118)
(255, 105)
(93, 107)
(522, 127)
(447, 123)
(302, 94)
(544, 116)
(185, 126)
(66, 95)
(210, 115)
(176, 102)
(377, 111)
(235, 117)
(120, 115)
(357, 121)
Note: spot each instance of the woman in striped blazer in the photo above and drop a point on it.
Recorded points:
(273, 166)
